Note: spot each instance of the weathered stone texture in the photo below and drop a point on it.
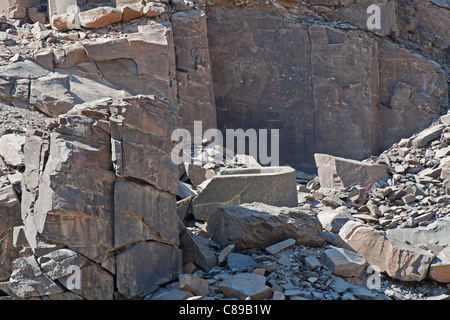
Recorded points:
(262, 77)
(9, 218)
(343, 92)
(142, 63)
(82, 194)
(398, 260)
(138, 272)
(194, 76)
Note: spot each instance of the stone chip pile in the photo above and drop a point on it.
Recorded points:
(395, 227)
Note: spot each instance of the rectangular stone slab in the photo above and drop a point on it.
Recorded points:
(271, 185)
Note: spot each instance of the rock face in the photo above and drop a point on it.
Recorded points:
(82, 199)
(309, 92)
(141, 63)
(194, 76)
(260, 225)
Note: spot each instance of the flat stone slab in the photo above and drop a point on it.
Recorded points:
(437, 232)
(245, 285)
(427, 135)
(239, 262)
(271, 185)
(280, 246)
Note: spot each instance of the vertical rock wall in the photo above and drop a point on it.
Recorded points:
(329, 88)
(100, 195)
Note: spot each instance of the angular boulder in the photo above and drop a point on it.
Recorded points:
(27, 280)
(196, 249)
(239, 262)
(333, 220)
(398, 260)
(335, 172)
(343, 263)
(197, 174)
(258, 225)
(130, 12)
(427, 135)
(440, 267)
(197, 286)
(436, 232)
(51, 94)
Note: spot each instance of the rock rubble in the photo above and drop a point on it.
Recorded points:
(363, 228)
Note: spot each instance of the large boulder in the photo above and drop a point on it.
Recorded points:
(196, 249)
(51, 94)
(398, 260)
(272, 185)
(338, 173)
(332, 220)
(258, 225)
